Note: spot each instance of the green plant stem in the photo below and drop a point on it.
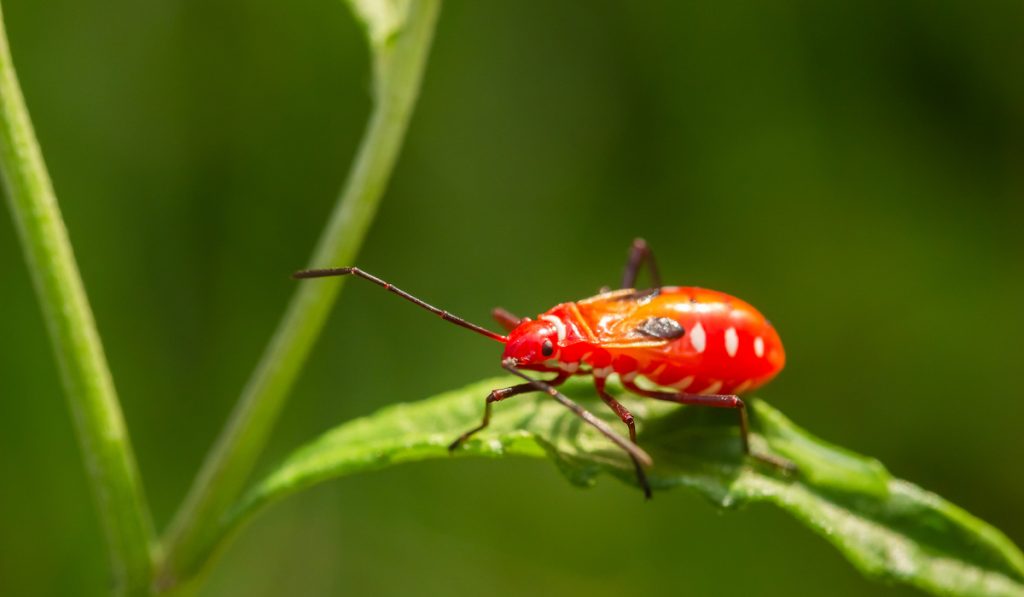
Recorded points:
(399, 62)
(97, 416)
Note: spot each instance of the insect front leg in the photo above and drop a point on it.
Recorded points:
(640, 253)
(506, 319)
(636, 454)
(499, 395)
(719, 401)
(615, 405)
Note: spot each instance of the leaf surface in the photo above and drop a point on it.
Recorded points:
(889, 529)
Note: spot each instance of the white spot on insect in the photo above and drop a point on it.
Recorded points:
(628, 377)
(732, 341)
(713, 388)
(603, 372)
(569, 367)
(742, 387)
(759, 346)
(559, 326)
(698, 339)
(683, 383)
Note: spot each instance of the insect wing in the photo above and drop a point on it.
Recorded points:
(632, 318)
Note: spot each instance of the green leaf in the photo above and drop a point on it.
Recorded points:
(888, 528)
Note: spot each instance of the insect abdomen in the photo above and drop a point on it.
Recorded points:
(722, 345)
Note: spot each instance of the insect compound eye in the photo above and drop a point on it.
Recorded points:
(547, 349)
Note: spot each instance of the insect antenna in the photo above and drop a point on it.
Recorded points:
(355, 271)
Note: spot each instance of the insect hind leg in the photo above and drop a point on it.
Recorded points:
(640, 253)
(720, 401)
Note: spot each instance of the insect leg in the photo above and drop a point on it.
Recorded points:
(615, 405)
(636, 454)
(640, 253)
(497, 396)
(719, 401)
(505, 319)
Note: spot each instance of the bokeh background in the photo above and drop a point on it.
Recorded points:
(854, 169)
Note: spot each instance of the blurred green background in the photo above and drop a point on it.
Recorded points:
(854, 170)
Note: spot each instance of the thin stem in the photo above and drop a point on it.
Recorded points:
(399, 62)
(97, 416)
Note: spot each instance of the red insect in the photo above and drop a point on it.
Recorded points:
(700, 346)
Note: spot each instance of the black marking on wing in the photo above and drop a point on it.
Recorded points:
(664, 328)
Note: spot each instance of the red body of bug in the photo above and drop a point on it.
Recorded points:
(698, 346)
(684, 338)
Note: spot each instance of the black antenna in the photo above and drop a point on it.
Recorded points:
(355, 271)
